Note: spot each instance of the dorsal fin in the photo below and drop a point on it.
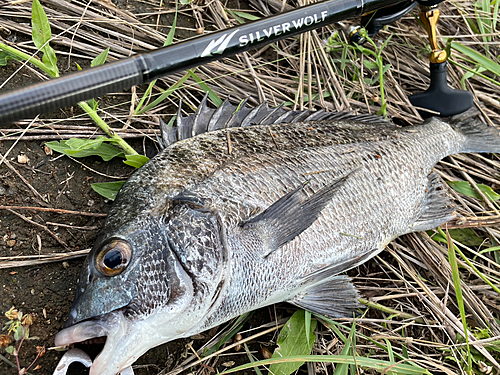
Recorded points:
(228, 115)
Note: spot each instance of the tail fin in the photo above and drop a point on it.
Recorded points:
(479, 136)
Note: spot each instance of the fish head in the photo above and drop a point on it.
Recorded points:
(146, 283)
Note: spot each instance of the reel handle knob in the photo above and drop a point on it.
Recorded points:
(440, 97)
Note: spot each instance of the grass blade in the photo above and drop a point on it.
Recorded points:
(458, 293)
(482, 60)
(363, 362)
(211, 94)
(164, 95)
(168, 41)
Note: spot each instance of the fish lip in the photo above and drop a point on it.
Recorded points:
(82, 331)
(113, 326)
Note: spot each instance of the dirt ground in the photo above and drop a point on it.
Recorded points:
(47, 290)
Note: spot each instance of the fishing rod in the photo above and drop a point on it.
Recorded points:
(146, 67)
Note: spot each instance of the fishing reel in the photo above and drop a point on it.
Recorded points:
(439, 97)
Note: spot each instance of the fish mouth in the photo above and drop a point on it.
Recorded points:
(113, 327)
(80, 333)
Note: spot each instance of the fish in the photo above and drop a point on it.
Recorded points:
(247, 207)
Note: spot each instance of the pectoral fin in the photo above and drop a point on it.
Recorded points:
(290, 215)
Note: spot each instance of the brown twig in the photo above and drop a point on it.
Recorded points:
(6, 162)
(54, 210)
(33, 260)
(52, 234)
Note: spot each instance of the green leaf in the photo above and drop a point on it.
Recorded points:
(343, 368)
(489, 250)
(465, 188)
(163, 96)
(293, 341)
(93, 104)
(235, 16)
(40, 32)
(100, 59)
(366, 51)
(251, 359)
(168, 41)
(470, 74)
(466, 236)
(241, 16)
(104, 150)
(170, 36)
(41, 35)
(307, 326)
(136, 161)
(370, 64)
(458, 291)
(235, 328)
(50, 60)
(384, 44)
(211, 94)
(10, 349)
(19, 333)
(76, 144)
(247, 16)
(477, 57)
(4, 56)
(108, 190)
(361, 362)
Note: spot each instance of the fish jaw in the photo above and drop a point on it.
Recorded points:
(126, 339)
(130, 334)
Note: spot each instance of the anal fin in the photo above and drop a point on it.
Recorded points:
(437, 208)
(327, 293)
(335, 298)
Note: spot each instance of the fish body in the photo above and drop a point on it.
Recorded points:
(233, 219)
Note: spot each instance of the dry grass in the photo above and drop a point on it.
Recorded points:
(413, 276)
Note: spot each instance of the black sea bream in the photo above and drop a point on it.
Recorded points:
(233, 216)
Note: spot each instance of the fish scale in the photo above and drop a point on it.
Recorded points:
(223, 222)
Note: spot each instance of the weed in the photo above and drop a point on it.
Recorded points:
(464, 354)
(17, 328)
(335, 43)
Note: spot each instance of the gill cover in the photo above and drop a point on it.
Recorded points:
(142, 266)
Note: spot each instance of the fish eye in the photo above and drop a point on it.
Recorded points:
(113, 257)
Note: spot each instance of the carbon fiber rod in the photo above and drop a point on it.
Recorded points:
(143, 68)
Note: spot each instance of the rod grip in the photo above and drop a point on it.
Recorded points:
(72, 88)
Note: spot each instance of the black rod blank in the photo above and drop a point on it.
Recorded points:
(145, 67)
